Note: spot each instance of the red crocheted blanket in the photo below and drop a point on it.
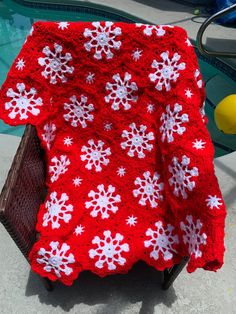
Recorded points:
(119, 110)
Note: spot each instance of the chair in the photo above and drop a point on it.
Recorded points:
(24, 191)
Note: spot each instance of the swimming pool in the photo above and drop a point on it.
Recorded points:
(15, 24)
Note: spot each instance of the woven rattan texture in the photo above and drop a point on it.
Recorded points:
(23, 192)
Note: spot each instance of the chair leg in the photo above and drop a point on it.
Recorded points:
(172, 274)
(47, 284)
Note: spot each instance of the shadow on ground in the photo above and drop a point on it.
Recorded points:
(221, 44)
(114, 293)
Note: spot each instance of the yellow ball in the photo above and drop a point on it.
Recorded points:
(225, 115)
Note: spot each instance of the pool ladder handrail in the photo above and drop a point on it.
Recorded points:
(202, 29)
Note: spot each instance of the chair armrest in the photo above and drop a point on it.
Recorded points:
(24, 191)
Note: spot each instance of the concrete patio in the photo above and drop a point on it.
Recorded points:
(21, 291)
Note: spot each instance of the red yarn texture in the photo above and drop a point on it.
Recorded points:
(119, 111)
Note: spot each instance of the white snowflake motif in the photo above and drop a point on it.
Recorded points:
(90, 78)
(131, 221)
(161, 241)
(55, 64)
(49, 135)
(149, 189)
(214, 202)
(23, 102)
(20, 64)
(181, 176)
(107, 126)
(109, 250)
(56, 259)
(188, 93)
(79, 230)
(77, 181)
(198, 79)
(138, 140)
(59, 167)
(78, 111)
(188, 42)
(68, 141)
(193, 237)
(95, 155)
(121, 171)
(103, 201)
(150, 108)
(103, 39)
(137, 54)
(57, 210)
(63, 25)
(202, 111)
(199, 144)
(121, 92)
(167, 70)
(172, 123)
(153, 29)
